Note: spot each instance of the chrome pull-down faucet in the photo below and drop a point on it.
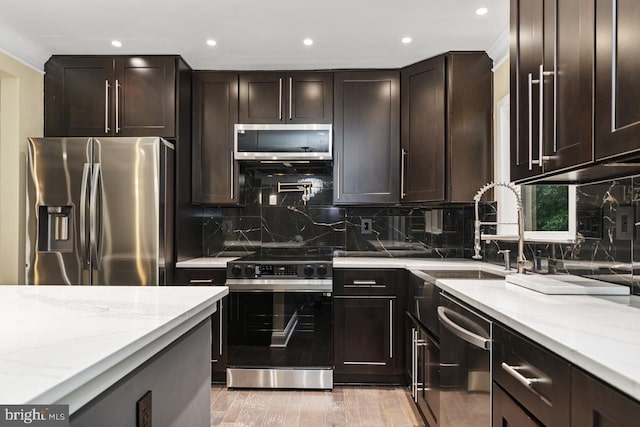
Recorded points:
(522, 262)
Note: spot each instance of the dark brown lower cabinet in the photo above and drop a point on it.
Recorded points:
(507, 413)
(595, 404)
(363, 336)
(211, 277)
(368, 311)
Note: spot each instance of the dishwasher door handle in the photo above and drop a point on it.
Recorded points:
(462, 333)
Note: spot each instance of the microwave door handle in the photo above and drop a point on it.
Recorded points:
(468, 336)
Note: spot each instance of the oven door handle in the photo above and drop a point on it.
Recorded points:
(462, 333)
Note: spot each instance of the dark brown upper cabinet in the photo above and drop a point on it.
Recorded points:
(552, 59)
(617, 109)
(279, 97)
(446, 127)
(115, 96)
(366, 137)
(215, 111)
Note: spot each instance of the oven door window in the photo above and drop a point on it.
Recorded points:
(280, 329)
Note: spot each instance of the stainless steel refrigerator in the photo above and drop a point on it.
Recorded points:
(100, 211)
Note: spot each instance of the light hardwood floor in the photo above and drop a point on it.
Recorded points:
(344, 406)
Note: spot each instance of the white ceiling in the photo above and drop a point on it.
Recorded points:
(260, 34)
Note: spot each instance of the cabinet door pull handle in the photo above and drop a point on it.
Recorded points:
(390, 329)
(280, 99)
(221, 320)
(404, 156)
(530, 91)
(233, 177)
(541, 113)
(106, 106)
(201, 281)
(117, 106)
(290, 97)
(414, 364)
(532, 162)
(543, 73)
(337, 172)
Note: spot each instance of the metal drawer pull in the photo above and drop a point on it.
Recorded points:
(513, 371)
(365, 286)
(201, 281)
(462, 333)
(364, 282)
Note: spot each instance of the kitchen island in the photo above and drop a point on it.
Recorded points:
(100, 349)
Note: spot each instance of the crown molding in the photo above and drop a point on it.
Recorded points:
(499, 50)
(22, 49)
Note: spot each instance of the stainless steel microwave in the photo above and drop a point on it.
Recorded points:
(283, 142)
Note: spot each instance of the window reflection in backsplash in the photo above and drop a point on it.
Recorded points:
(606, 247)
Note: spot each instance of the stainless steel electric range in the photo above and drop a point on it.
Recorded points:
(280, 322)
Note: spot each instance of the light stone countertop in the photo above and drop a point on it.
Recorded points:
(68, 344)
(206, 262)
(363, 262)
(598, 335)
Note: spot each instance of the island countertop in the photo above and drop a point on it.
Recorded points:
(68, 344)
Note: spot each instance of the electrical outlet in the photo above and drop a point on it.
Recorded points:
(143, 407)
(227, 226)
(625, 223)
(366, 225)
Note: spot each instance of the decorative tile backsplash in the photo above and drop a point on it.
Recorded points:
(607, 246)
(281, 220)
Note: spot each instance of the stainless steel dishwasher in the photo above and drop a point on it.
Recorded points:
(465, 365)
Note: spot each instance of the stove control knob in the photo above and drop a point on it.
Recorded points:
(236, 270)
(250, 271)
(308, 271)
(322, 270)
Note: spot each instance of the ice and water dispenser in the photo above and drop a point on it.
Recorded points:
(55, 229)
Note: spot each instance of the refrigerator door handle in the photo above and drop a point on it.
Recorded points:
(83, 215)
(95, 245)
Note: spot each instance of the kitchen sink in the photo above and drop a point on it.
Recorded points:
(566, 284)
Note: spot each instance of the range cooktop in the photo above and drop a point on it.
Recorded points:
(283, 265)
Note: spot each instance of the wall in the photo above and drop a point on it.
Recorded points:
(21, 109)
(500, 90)
(276, 221)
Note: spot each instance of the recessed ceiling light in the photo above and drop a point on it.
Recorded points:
(307, 42)
(406, 40)
(211, 42)
(482, 11)
(116, 43)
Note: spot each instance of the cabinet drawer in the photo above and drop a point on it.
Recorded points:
(200, 276)
(539, 380)
(364, 282)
